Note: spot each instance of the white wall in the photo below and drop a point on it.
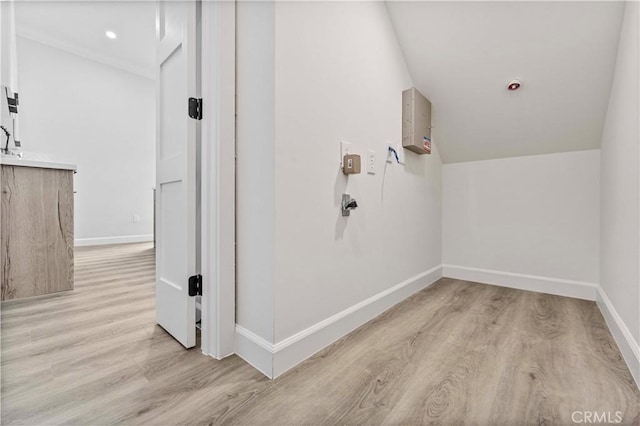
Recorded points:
(255, 174)
(335, 82)
(101, 118)
(4, 62)
(7, 68)
(620, 211)
(535, 215)
(4, 43)
(338, 75)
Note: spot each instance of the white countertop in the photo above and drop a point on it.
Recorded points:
(13, 160)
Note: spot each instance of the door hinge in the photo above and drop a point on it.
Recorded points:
(195, 108)
(195, 285)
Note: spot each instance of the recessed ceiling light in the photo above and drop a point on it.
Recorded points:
(111, 35)
(514, 85)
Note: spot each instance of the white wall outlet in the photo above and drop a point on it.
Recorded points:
(371, 162)
(136, 218)
(344, 150)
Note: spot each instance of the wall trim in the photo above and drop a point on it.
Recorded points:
(275, 359)
(42, 38)
(254, 349)
(218, 185)
(100, 241)
(556, 286)
(628, 346)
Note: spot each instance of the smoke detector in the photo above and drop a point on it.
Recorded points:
(514, 85)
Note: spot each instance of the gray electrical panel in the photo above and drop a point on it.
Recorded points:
(416, 122)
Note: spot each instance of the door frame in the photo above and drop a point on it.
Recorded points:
(218, 169)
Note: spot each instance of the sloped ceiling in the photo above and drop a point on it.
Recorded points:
(462, 55)
(80, 26)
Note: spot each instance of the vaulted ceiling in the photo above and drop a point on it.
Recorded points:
(462, 55)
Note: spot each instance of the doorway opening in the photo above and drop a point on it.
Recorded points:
(100, 94)
(88, 81)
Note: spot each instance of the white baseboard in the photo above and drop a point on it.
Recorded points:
(255, 350)
(275, 359)
(113, 240)
(556, 286)
(628, 346)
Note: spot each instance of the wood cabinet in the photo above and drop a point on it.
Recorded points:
(36, 231)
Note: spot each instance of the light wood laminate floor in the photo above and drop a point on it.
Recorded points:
(455, 353)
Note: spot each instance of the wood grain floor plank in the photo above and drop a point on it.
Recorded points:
(456, 353)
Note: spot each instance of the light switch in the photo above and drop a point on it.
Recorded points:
(371, 162)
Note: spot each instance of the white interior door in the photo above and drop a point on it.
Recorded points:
(176, 175)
